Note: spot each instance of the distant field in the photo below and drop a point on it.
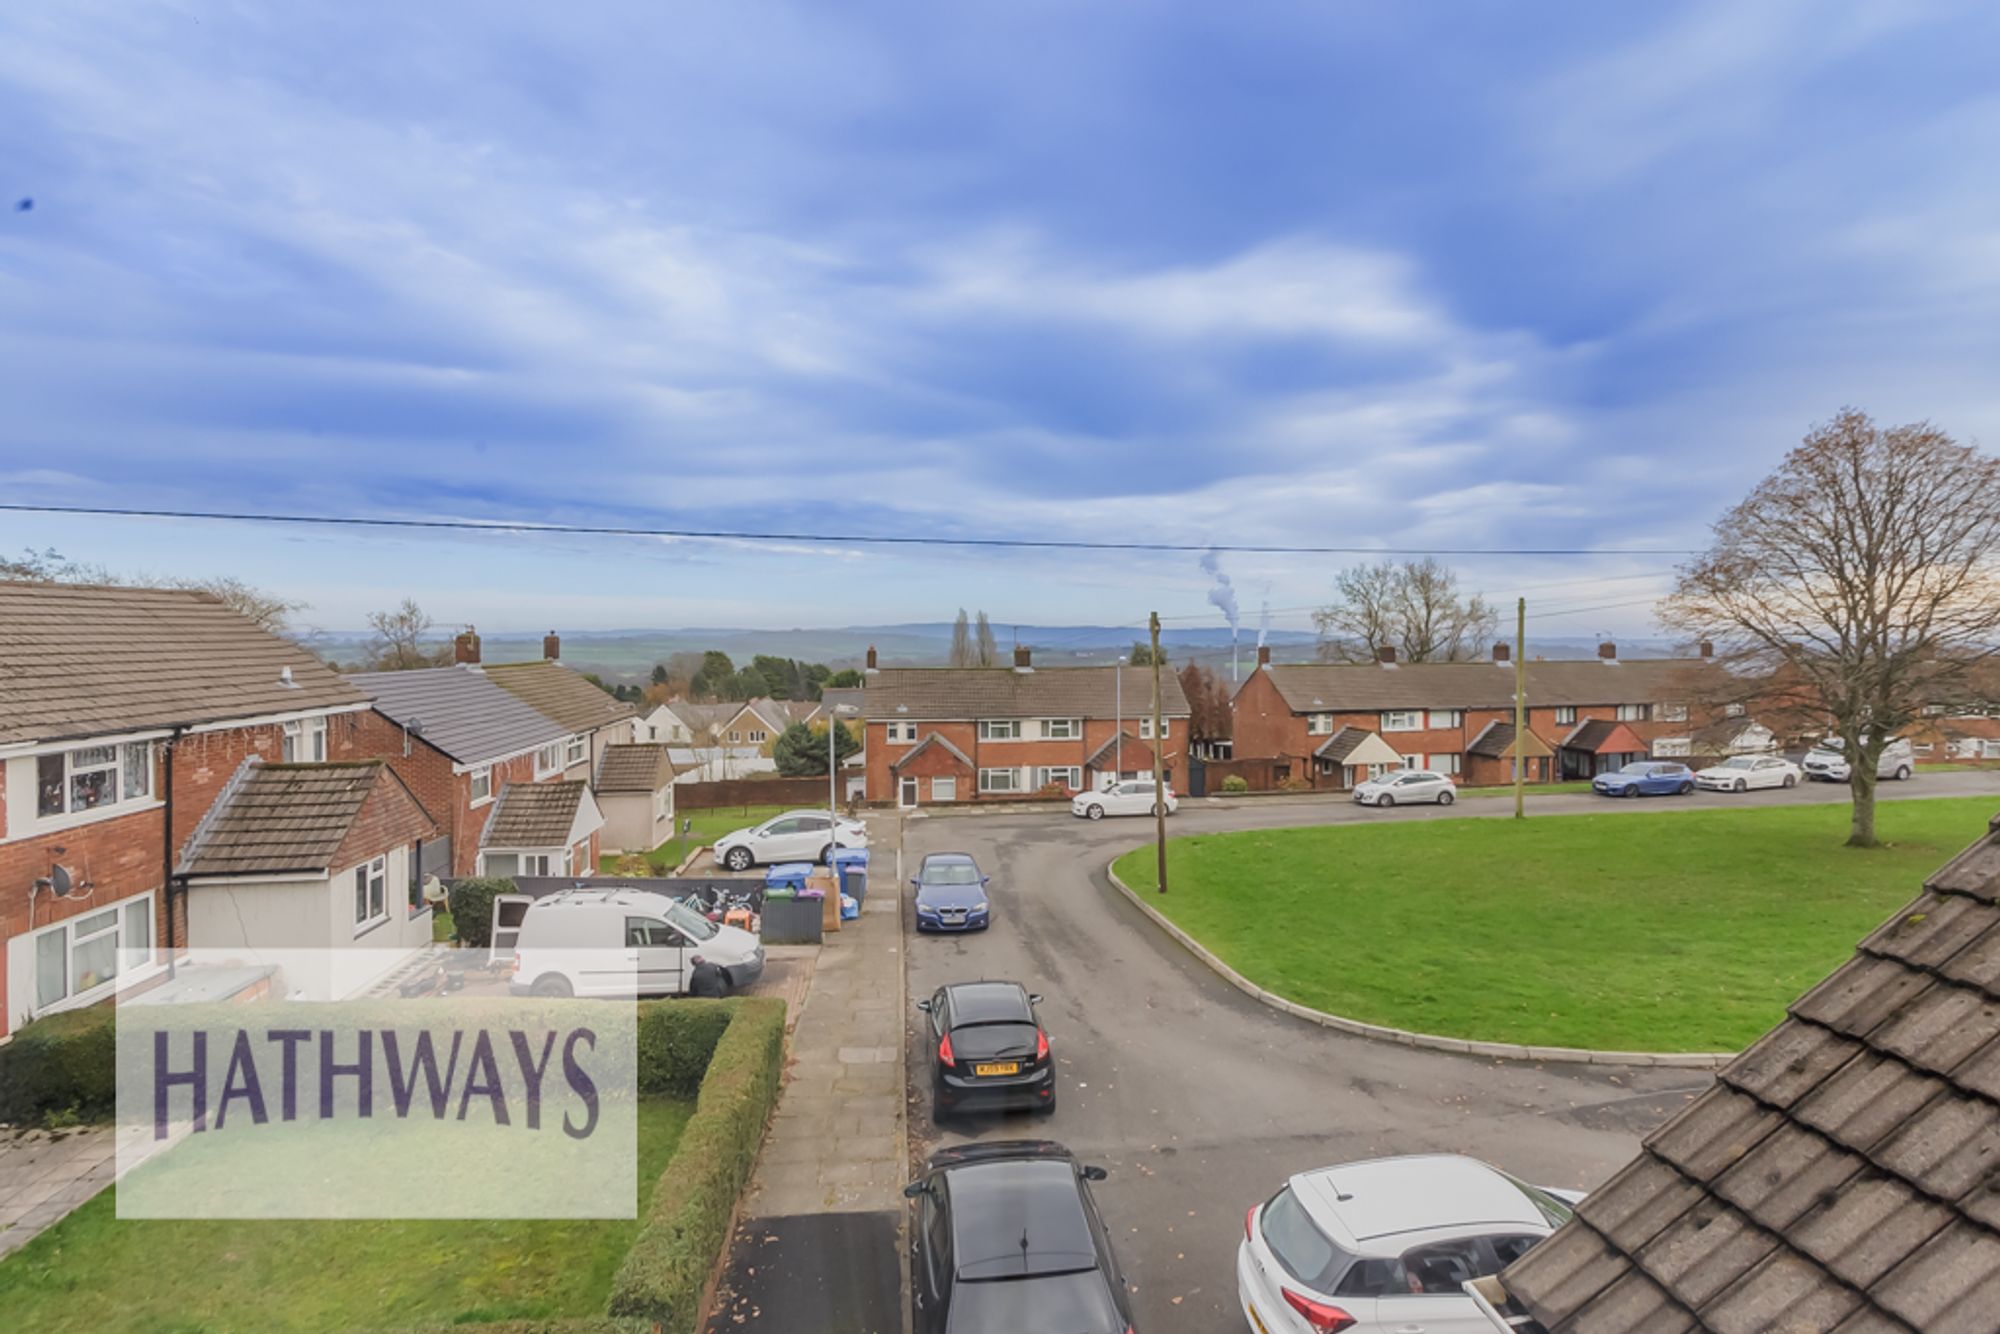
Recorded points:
(1675, 931)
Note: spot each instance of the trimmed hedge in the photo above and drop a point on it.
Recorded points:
(62, 1067)
(677, 1040)
(471, 903)
(688, 1222)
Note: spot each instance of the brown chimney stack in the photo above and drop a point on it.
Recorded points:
(871, 668)
(1707, 649)
(1500, 651)
(1021, 663)
(465, 648)
(1386, 655)
(1263, 655)
(551, 646)
(1608, 651)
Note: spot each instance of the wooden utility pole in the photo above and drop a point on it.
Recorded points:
(1159, 763)
(1520, 706)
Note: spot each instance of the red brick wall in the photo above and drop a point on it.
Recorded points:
(728, 792)
(1008, 754)
(389, 819)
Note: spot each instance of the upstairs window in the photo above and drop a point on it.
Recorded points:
(1403, 720)
(549, 760)
(1319, 724)
(1446, 717)
(305, 741)
(1146, 726)
(1634, 713)
(1062, 729)
(1671, 713)
(91, 777)
(1565, 713)
(1000, 729)
(579, 749)
(482, 785)
(900, 733)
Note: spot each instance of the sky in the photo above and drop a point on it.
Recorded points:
(1382, 276)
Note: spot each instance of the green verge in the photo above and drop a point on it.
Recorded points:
(676, 1250)
(708, 826)
(1672, 931)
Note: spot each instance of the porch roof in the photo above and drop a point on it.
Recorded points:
(1601, 737)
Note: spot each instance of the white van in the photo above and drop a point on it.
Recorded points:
(617, 942)
(1827, 761)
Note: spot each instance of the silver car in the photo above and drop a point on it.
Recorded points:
(1411, 787)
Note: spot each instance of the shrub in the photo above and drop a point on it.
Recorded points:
(471, 904)
(677, 1040)
(1056, 791)
(663, 1274)
(1236, 783)
(62, 1069)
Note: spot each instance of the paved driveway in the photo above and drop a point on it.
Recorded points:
(1202, 1101)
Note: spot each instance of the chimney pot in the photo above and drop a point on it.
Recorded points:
(1386, 655)
(1608, 651)
(465, 648)
(1707, 649)
(1500, 651)
(1263, 655)
(1021, 662)
(871, 658)
(551, 646)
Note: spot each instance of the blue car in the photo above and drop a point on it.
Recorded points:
(1646, 778)
(951, 894)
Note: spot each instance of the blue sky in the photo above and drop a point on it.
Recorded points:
(1400, 275)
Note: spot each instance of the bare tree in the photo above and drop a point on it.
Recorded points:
(1863, 575)
(1414, 608)
(963, 653)
(988, 651)
(1209, 717)
(398, 644)
(268, 610)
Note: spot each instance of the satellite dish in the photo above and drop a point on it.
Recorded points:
(60, 881)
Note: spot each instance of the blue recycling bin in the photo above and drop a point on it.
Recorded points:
(851, 865)
(787, 875)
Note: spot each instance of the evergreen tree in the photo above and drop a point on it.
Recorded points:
(987, 652)
(962, 652)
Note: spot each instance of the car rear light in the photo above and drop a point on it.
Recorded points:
(517, 963)
(1250, 1224)
(1324, 1318)
(1041, 1045)
(944, 1051)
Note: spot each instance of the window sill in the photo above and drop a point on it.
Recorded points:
(371, 925)
(56, 824)
(104, 991)
(481, 803)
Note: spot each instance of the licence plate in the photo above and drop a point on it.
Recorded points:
(998, 1068)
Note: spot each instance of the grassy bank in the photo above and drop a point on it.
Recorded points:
(707, 827)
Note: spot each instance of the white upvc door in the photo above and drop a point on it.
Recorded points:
(908, 793)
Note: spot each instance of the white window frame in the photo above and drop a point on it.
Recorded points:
(1670, 713)
(1062, 729)
(1445, 719)
(481, 778)
(736, 738)
(303, 741)
(578, 750)
(124, 793)
(1402, 720)
(125, 968)
(899, 733)
(372, 879)
(1319, 724)
(999, 729)
(1635, 713)
(758, 736)
(1070, 775)
(549, 760)
(1989, 749)
(944, 788)
(1146, 727)
(1565, 714)
(1413, 762)
(1673, 748)
(1447, 763)
(1733, 710)
(989, 780)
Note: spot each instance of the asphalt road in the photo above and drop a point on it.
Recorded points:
(1201, 1101)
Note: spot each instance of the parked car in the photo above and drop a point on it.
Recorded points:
(1407, 787)
(619, 942)
(1645, 778)
(951, 893)
(1384, 1245)
(1007, 1239)
(1134, 796)
(1740, 773)
(795, 836)
(989, 1049)
(1828, 763)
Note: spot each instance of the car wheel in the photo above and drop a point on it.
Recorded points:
(1385, 800)
(552, 984)
(1791, 780)
(1155, 811)
(1686, 788)
(1632, 791)
(1446, 798)
(737, 859)
(1903, 774)
(1741, 786)
(1094, 811)
(826, 855)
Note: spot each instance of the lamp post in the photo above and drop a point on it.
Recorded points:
(1118, 725)
(832, 763)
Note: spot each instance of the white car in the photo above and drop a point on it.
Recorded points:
(1382, 1246)
(795, 836)
(1408, 787)
(1740, 773)
(1134, 796)
(617, 942)
(1827, 761)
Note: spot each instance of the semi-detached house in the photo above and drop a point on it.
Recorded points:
(937, 734)
(595, 719)
(124, 713)
(1337, 724)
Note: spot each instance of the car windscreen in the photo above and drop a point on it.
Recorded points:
(691, 922)
(949, 873)
(983, 1003)
(1077, 1303)
(1308, 1255)
(1739, 763)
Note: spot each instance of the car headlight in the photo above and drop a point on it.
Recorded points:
(925, 910)
(979, 907)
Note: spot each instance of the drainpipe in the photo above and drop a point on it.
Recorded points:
(167, 838)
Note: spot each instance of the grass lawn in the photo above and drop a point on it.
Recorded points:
(1683, 931)
(1533, 789)
(93, 1272)
(708, 826)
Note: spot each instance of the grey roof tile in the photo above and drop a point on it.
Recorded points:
(1865, 1100)
(1867, 1227)
(1562, 1275)
(1947, 1149)
(1639, 1203)
(1473, 685)
(1790, 1172)
(1931, 930)
(1861, 994)
(1787, 1294)
(534, 815)
(1632, 1305)
(1791, 1059)
(1713, 1132)
(1704, 1251)
(461, 711)
(937, 694)
(1950, 1285)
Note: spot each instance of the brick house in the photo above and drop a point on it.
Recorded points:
(594, 718)
(969, 733)
(543, 829)
(459, 740)
(123, 714)
(1584, 717)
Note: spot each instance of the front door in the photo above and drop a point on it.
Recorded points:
(908, 792)
(653, 950)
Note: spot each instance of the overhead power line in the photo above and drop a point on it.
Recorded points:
(831, 539)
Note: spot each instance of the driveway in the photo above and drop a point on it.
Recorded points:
(1201, 1101)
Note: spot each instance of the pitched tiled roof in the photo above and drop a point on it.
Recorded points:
(1721, 735)
(534, 815)
(1341, 744)
(276, 818)
(853, 697)
(1496, 742)
(1843, 1173)
(1320, 687)
(1131, 754)
(934, 739)
(561, 693)
(1600, 736)
(635, 768)
(461, 712)
(80, 660)
(968, 693)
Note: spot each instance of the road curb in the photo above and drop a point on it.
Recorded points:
(1504, 1051)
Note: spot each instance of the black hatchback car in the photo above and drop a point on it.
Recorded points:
(989, 1050)
(1007, 1239)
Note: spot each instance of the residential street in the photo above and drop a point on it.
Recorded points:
(1201, 1101)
